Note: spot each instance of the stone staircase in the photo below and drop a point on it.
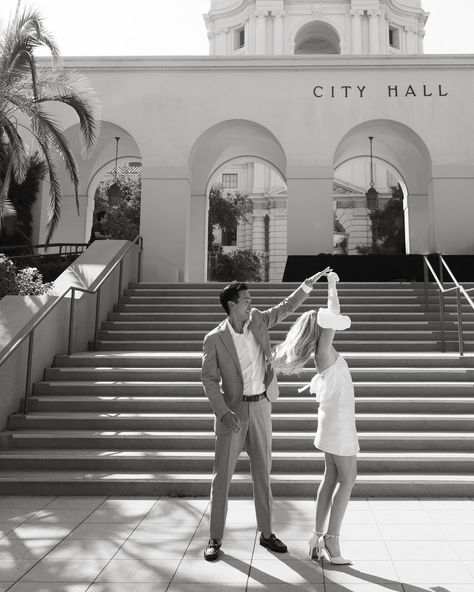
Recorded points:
(132, 418)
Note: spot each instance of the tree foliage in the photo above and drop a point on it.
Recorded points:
(27, 281)
(388, 227)
(243, 265)
(26, 91)
(226, 209)
(123, 220)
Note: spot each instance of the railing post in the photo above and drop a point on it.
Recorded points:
(71, 321)
(120, 282)
(140, 259)
(441, 321)
(460, 329)
(425, 279)
(97, 318)
(28, 373)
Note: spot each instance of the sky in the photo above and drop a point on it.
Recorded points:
(176, 27)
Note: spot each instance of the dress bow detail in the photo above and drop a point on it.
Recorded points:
(315, 386)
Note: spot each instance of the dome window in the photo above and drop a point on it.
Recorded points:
(394, 37)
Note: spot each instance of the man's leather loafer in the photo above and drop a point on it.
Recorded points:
(212, 550)
(273, 544)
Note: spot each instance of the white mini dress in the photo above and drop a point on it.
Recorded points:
(334, 392)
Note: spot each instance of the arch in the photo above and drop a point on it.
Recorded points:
(404, 152)
(229, 140)
(317, 37)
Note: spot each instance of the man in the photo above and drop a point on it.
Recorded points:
(240, 382)
(97, 230)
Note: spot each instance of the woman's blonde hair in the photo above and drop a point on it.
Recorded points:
(291, 356)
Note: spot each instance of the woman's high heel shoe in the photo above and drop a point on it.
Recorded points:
(314, 544)
(324, 551)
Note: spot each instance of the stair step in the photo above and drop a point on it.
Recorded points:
(198, 484)
(205, 440)
(205, 421)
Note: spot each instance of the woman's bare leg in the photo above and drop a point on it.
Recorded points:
(325, 492)
(346, 475)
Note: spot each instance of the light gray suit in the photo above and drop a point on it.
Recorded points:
(223, 384)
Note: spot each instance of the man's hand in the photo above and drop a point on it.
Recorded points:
(231, 421)
(314, 278)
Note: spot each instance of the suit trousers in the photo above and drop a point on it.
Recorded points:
(256, 437)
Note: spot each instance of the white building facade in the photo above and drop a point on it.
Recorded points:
(306, 118)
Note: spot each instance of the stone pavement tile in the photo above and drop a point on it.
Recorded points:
(464, 549)
(65, 570)
(365, 550)
(4, 586)
(294, 505)
(419, 516)
(232, 532)
(167, 510)
(13, 569)
(36, 530)
(85, 549)
(412, 550)
(25, 549)
(470, 566)
(160, 531)
(125, 587)
(389, 503)
(134, 499)
(78, 502)
(359, 517)
(240, 549)
(281, 571)
(365, 588)
(17, 515)
(298, 550)
(208, 587)
(266, 587)
(151, 549)
(453, 516)
(48, 587)
(457, 532)
(354, 532)
(292, 530)
(382, 573)
(6, 527)
(61, 515)
(438, 587)
(230, 570)
(28, 502)
(136, 570)
(423, 572)
(411, 532)
(89, 530)
(450, 503)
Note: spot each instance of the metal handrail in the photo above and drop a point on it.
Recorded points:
(460, 290)
(30, 332)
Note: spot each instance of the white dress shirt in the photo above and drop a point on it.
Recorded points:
(251, 358)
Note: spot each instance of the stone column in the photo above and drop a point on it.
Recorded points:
(199, 212)
(278, 31)
(212, 43)
(221, 42)
(374, 31)
(310, 210)
(165, 223)
(356, 31)
(260, 32)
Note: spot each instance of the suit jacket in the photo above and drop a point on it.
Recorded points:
(221, 372)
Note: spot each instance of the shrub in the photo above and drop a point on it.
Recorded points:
(243, 265)
(23, 282)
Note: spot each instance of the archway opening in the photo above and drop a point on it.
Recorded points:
(317, 37)
(402, 169)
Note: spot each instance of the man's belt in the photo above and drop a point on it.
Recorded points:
(254, 398)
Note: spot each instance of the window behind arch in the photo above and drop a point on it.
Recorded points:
(317, 38)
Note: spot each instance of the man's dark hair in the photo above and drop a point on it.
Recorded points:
(100, 214)
(231, 293)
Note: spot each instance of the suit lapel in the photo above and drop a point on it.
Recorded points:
(229, 343)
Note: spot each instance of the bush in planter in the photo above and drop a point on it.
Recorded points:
(23, 282)
(242, 265)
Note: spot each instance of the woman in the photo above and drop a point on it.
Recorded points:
(336, 435)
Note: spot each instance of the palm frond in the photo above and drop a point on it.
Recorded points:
(19, 158)
(55, 201)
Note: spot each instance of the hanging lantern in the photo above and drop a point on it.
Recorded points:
(372, 195)
(114, 192)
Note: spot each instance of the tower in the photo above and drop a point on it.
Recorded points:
(287, 27)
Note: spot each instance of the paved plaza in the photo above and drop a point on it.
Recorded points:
(115, 544)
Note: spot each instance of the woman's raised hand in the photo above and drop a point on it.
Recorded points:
(314, 278)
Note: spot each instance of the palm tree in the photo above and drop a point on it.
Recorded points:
(26, 92)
